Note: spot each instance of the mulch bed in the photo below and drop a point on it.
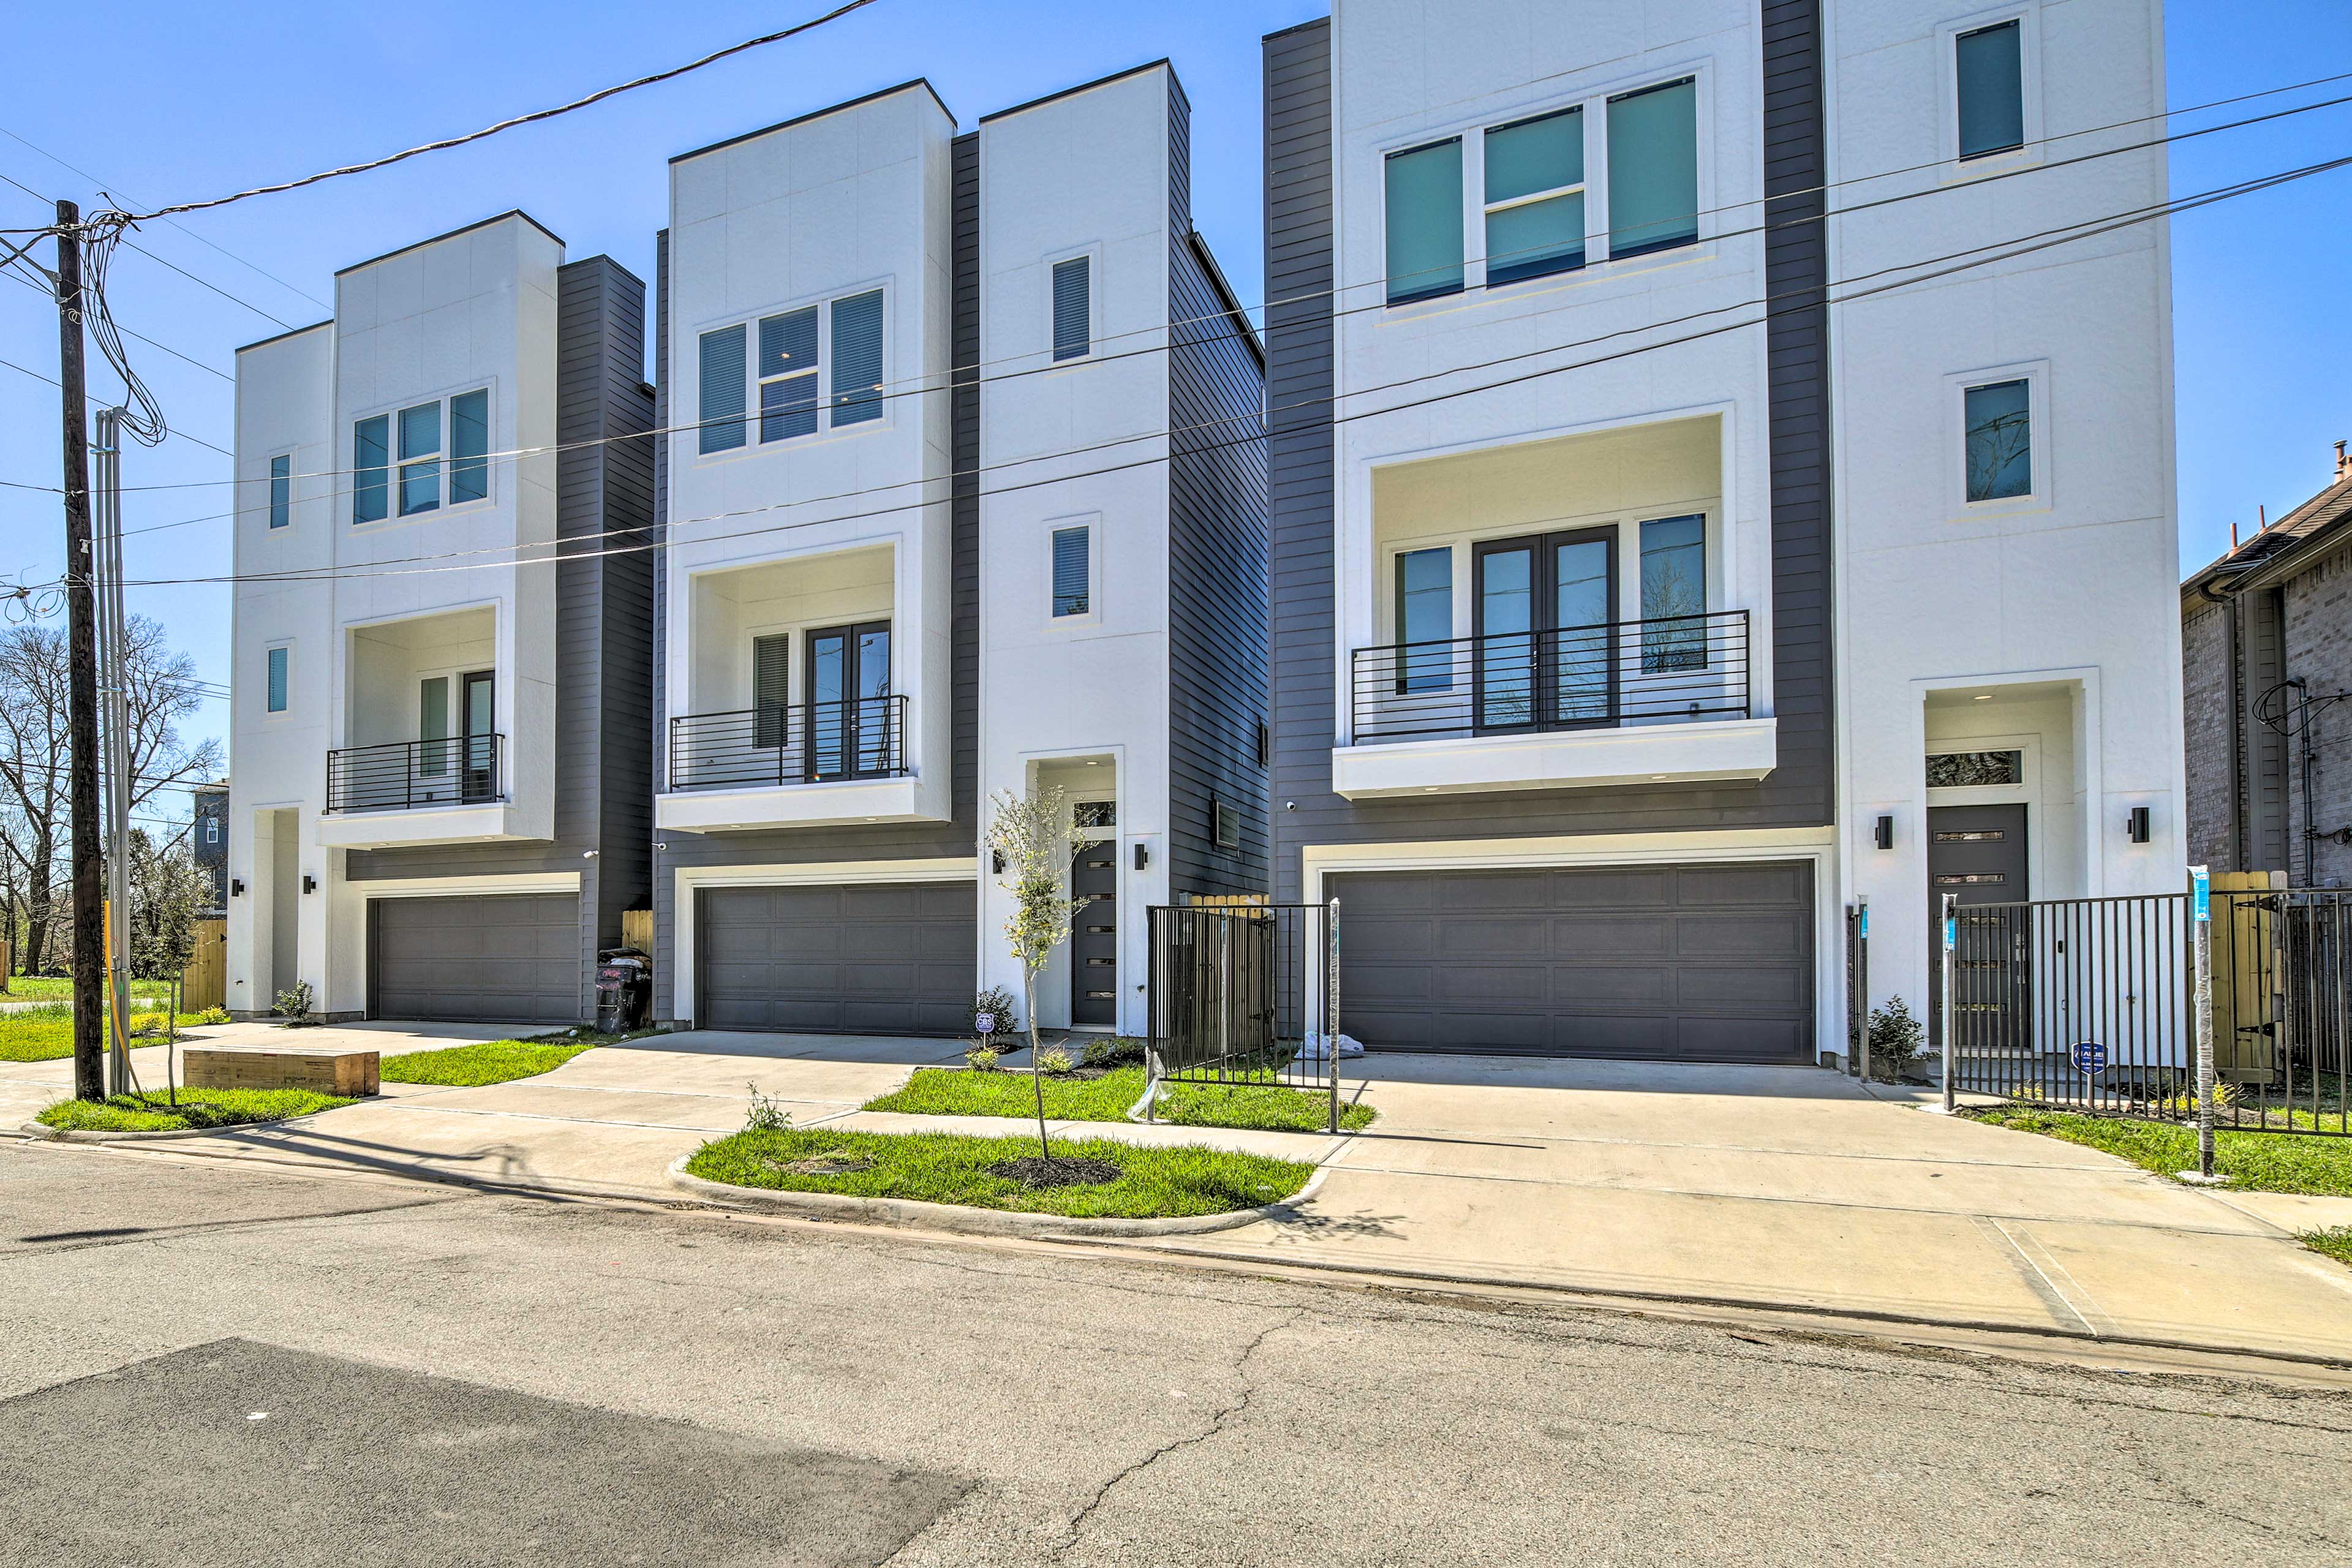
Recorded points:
(1037, 1172)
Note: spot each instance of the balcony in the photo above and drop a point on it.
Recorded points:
(1659, 700)
(789, 764)
(447, 791)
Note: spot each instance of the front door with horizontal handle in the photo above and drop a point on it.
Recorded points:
(1094, 936)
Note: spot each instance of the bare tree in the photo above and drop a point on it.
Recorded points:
(161, 690)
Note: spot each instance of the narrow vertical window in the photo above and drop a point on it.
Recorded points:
(788, 396)
(1673, 593)
(1535, 197)
(2000, 418)
(771, 689)
(857, 359)
(1654, 168)
(371, 477)
(722, 381)
(1227, 826)
(282, 491)
(1990, 71)
(433, 727)
(1073, 307)
(1425, 222)
(1426, 619)
(1073, 593)
(469, 447)
(420, 437)
(278, 681)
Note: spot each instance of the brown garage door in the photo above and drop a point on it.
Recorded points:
(891, 958)
(1692, 963)
(514, 957)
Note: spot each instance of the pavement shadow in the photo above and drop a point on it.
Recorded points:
(888, 1050)
(1595, 1075)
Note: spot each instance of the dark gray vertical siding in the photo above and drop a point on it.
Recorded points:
(602, 785)
(1216, 560)
(895, 841)
(2264, 616)
(1299, 274)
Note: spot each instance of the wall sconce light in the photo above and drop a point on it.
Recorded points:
(309, 883)
(1142, 854)
(236, 885)
(1884, 835)
(2135, 825)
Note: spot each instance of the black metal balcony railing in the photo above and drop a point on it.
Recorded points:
(1675, 669)
(808, 743)
(460, 771)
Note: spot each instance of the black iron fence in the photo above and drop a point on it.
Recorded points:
(1246, 993)
(1678, 668)
(781, 743)
(2089, 1003)
(462, 770)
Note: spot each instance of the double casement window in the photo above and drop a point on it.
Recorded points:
(1073, 571)
(281, 491)
(1989, 79)
(276, 678)
(446, 439)
(1072, 308)
(1998, 420)
(1533, 191)
(784, 379)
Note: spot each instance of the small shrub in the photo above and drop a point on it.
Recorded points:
(294, 1002)
(1894, 1037)
(1117, 1052)
(997, 1000)
(767, 1114)
(979, 1058)
(1054, 1062)
(146, 1024)
(2025, 1093)
(212, 1016)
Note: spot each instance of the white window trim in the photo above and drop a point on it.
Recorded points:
(269, 482)
(2040, 456)
(1094, 255)
(2028, 15)
(393, 517)
(269, 715)
(1092, 523)
(1598, 265)
(690, 371)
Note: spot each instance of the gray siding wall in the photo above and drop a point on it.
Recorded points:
(603, 776)
(2262, 630)
(1216, 562)
(895, 841)
(2216, 764)
(1298, 247)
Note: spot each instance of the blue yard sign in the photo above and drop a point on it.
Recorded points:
(2200, 893)
(2091, 1058)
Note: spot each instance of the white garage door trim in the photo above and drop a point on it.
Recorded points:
(688, 879)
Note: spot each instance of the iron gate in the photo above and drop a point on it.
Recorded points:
(1246, 992)
(2090, 1004)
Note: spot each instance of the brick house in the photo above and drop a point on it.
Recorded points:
(2267, 650)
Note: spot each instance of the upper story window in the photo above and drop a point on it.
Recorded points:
(1998, 418)
(1654, 168)
(784, 378)
(1988, 73)
(212, 829)
(1535, 197)
(281, 491)
(449, 434)
(1072, 308)
(1073, 571)
(277, 679)
(1425, 221)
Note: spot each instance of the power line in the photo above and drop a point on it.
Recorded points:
(2009, 248)
(101, 403)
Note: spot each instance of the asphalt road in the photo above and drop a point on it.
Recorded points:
(201, 1365)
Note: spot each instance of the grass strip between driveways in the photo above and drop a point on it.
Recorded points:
(197, 1108)
(944, 1092)
(2253, 1162)
(950, 1168)
(490, 1061)
(2335, 1243)
(45, 1034)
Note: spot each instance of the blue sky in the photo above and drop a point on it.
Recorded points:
(204, 100)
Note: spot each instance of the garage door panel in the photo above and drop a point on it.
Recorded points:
(506, 957)
(863, 958)
(1707, 961)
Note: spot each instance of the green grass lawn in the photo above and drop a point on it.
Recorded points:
(2254, 1162)
(945, 1168)
(944, 1091)
(2335, 1243)
(490, 1061)
(45, 1034)
(196, 1108)
(59, 988)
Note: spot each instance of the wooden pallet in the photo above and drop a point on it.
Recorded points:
(346, 1071)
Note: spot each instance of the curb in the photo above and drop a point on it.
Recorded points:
(93, 1135)
(958, 1219)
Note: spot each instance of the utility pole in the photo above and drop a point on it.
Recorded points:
(81, 657)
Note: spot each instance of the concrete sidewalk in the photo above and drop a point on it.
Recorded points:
(1751, 1186)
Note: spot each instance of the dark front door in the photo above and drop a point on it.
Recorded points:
(1544, 609)
(850, 722)
(1094, 936)
(1977, 854)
